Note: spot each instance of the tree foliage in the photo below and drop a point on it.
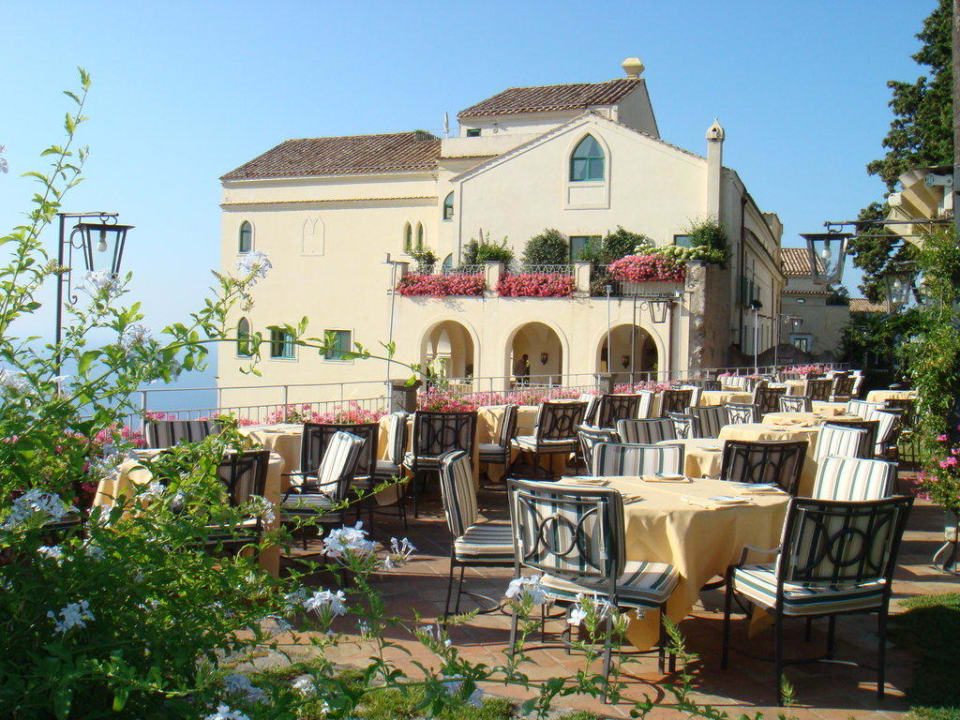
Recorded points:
(548, 248)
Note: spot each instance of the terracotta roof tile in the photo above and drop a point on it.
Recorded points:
(864, 305)
(546, 98)
(348, 155)
(795, 261)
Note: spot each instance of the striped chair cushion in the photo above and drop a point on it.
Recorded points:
(339, 462)
(759, 583)
(485, 542)
(590, 437)
(529, 443)
(167, 433)
(589, 416)
(396, 436)
(457, 492)
(842, 441)
(387, 469)
(709, 420)
(645, 408)
(619, 459)
(422, 461)
(864, 409)
(646, 432)
(492, 452)
(847, 478)
(641, 585)
(886, 431)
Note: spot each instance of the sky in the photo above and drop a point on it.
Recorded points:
(186, 91)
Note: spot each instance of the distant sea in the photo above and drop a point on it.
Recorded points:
(184, 398)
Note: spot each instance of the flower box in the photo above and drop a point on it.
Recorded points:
(647, 268)
(441, 285)
(536, 285)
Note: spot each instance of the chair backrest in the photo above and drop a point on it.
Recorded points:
(818, 389)
(559, 420)
(843, 441)
(508, 425)
(682, 425)
(623, 459)
(795, 403)
(339, 464)
(740, 413)
(570, 532)
(396, 437)
(457, 491)
(843, 386)
(767, 399)
(316, 439)
(737, 382)
(764, 462)
(711, 385)
(167, 433)
(872, 428)
(675, 400)
(590, 413)
(834, 544)
(695, 391)
(889, 425)
(437, 433)
(589, 437)
(850, 478)
(244, 474)
(616, 407)
(863, 409)
(858, 379)
(646, 432)
(645, 406)
(707, 421)
(905, 406)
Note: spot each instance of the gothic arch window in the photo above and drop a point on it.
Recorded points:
(407, 237)
(448, 207)
(245, 241)
(243, 338)
(587, 161)
(419, 236)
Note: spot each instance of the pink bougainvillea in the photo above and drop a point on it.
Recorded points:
(536, 285)
(808, 369)
(647, 268)
(340, 415)
(441, 285)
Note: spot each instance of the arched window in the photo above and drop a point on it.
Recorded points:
(448, 263)
(419, 237)
(407, 238)
(586, 163)
(246, 237)
(243, 338)
(448, 207)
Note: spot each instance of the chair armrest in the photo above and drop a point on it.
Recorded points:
(761, 551)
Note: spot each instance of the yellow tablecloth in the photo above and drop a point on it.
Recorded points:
(882, 395)
(132, 473)
(755, 432)
(702, 457)
(832, 409)
(488, 428)
(805, 418)
(701, 541)
(722, 397)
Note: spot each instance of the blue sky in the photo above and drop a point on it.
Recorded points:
(183, 92)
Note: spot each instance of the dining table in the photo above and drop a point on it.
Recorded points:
(712, 398)
(698, 525)
(766, 432)
(702, 457)
(880, 396)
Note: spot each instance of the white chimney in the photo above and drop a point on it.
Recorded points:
(632, 67)
(715, 138)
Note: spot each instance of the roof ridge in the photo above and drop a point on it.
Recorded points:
(363, 135)
(602, 82)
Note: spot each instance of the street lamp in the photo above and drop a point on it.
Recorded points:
(84, 237)
(827, 252)
(899, 284)
(755, 305)
(658, 305)
(796, 322)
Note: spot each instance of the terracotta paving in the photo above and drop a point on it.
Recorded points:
(823, 691)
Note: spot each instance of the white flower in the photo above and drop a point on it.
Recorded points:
(12, 380)
(433, 634)
(54, 552)
(259, 506)
(304, 685)
(400, 552)
(363, 627)
(154, 490)
(254, 265)
(72, 615)
(108, 466)
(100, 280)
(531, 587)
(34, 502)
(577, 615)
(324, 600)
(342, 541)
(237, 684)
(225, 713)
(135, 335)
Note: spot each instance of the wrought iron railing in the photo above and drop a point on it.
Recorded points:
(566, 270)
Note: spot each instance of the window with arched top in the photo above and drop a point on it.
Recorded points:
(448, 263)
(448, 207)
(243, 338)
(586, 162)
(245, 243)
(407, 237)
(419, 237)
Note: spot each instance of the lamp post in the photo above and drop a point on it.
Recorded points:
(796, 322)
(827, 252)
(104, 232)
(658, 305)
(755, 305)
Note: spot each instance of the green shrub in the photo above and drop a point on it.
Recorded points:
(707, 233)
(615, 245)
(476, 252)
(548, 248)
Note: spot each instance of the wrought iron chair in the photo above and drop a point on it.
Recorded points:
(842, 390)
(764, 462)
(707, 421)
(167, 433)
(909, 440)
(589, 437)
(675, 400)
(498, 453)
(243, 474)
(767, 399)
(858, 379)
(795, 403)
(818, 389)
(575, 536)
(835, 558)
(392, 465)
(864, 409)
(434, 435)
(324, 499)
(616, 407)
(623, 459)
(555, 432)
(850, 478)
(711, 385)
(646, 432)
(740, 413)
(682, 425)
(590, 413)
(475, 542)
(645, 407)
(841, 440)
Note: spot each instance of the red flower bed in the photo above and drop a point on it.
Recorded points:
(440, 285)
(535, 285)
(647, 268)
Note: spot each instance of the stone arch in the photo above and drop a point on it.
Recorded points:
(452, 342)
(547, 351)
(646, 359)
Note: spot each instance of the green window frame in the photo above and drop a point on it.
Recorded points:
(419, 237)
(448, 206)
(587, 160)
(683, 240)
(342, 344)
(245, 240)
(243, 338)
(407, 238)
(473, 132)
(281, 344)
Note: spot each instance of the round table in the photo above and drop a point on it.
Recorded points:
(762, 432)
(883, 395)
(676, 523)
(710, 398)
(702, 457)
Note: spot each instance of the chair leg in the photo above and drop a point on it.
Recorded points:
(727, 607)
(403, 514)
(513, 632)
(881, 651)
(607, 657)
(543, 623)
(662, 645)
(672, 651)
(778, 657)
(446, 605)
(456, 608)
(831, 636)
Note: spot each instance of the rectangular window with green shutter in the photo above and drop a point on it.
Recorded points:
(281, 344)
(342, 342)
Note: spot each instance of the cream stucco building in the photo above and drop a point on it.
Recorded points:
(582, 158)
(823, 312)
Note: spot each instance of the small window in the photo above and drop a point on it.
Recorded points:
(801, 300)
(246, 237)
(419, 237)
(281, 344)
(243, 338)
(683, 240)
(448, 207)
(448, 263)
(407, 238)
(341, 344)
(586, 163)
(473, 132)
(579, 243)
(800, 342)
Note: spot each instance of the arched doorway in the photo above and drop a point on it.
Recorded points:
(536, 355)
(449, 345)
(642, 361)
